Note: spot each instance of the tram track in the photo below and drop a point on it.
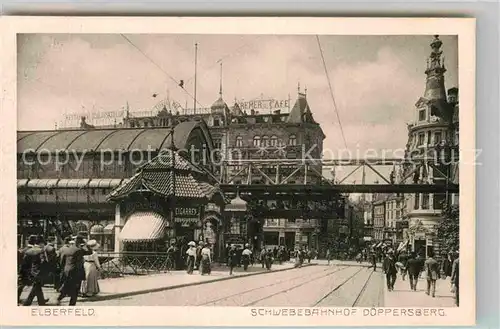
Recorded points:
(363, 289)
(336, 288)
(239, 293)
(296, 286)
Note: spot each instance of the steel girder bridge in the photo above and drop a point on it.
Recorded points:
(285, 176)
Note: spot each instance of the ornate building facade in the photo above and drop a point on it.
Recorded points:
(433, 135)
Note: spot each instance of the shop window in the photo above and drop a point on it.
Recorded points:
(422, 115)
(292, 140)
(235, 226)
(239, 141)
(256, 141)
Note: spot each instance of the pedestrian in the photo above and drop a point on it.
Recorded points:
(171, 251)
(92, 267)
(447, 265)
(413, 266)
(328, 255)
(206, 260)
(200, 246)
(269, 259)
(374, 261)
(51, 264)
(358, 258)
(402, 260)
(35, 260)
(24, 267)
(191, 257)
(232, 259)
(389, 267)
(263, 257)
(74, 271)
(246, 257)
(455, 277)
(60, 260)
(432, 272)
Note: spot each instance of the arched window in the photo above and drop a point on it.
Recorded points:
(274, 141)
(292, 140)
(256, 141)
(265, 141)
(239, 141)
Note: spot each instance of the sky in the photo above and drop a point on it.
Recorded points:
(376, 80)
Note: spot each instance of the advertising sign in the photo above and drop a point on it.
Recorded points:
(265, 105)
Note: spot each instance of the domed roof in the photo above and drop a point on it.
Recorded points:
(219, 105)
(237, 205)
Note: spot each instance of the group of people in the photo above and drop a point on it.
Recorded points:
(198, 257)
(73, 269)
(414, 265)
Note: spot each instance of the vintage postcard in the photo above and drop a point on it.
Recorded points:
(238, 171)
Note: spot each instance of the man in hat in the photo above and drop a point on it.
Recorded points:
(61, 253)
(200, 246)
(390, 270)
(413, 266)
(74, 272)
(35, 259)
(246, 257)
(432, 272)
(23, 278)
(52, 263)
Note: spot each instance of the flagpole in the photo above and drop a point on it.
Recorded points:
(195, 71)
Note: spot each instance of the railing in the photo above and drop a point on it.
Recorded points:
(115, 264)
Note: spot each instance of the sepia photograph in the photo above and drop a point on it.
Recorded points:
(258, 171)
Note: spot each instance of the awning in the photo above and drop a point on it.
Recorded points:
(109, 229)
(104, 183)
(97, 229)
(22, 182)
(143, 226)
(42, 183)
(402, 245)
(73, 183)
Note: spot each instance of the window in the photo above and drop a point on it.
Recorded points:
(425, 201)
(421, 139)
(437, 137)
(438, 200)
(421, 115)
(292, 140)
(235, 226)
(265, 141)
(256, 141)
(239, 141)
(274, 141)
(146, 124)
(417, 201)
(217, 144)
(216, 122)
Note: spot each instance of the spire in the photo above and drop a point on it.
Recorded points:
(220, 89)
(435, 90)
(298, 87)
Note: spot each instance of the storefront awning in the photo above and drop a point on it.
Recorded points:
(109, 229)
(42, 183)
(104, 183)
(143, 226)
(402, 245)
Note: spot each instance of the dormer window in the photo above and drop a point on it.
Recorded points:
(216, 122)
(422, 115)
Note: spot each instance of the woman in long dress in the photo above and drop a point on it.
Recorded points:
(90, 287)
(206, 260)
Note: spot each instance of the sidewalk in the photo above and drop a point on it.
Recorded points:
(343, 262)
(402, 296)
(135, 285)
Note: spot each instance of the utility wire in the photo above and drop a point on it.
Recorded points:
(331, 90)
(160, 68)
